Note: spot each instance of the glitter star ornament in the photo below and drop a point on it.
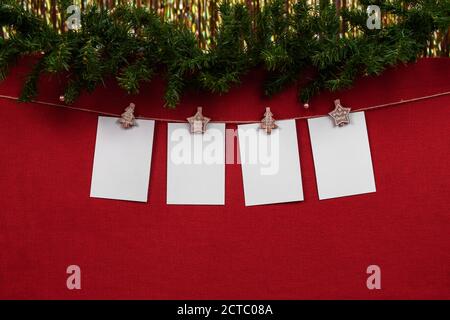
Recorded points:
(268, 122)
(198, 122)
(127, 119)
(340, 114)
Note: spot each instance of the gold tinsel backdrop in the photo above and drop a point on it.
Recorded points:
(199, 15)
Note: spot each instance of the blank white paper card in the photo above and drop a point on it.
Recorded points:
(342, 158)
(196, 165)
(122, 160)
(270, 164)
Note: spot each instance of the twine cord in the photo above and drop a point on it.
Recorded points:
(104, 113)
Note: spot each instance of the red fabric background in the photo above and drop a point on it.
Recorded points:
(305, 250)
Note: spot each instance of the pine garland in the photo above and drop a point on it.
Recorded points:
(307, 45)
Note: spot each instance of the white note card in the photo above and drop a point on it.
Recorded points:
(122, 160)
(270, 164)
(196, 165)
(342, 157)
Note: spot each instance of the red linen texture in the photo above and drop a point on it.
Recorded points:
(305, 250)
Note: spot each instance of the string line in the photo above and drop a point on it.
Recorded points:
(104, 113)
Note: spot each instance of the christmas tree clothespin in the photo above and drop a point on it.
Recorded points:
(198, 122)
(268, 122)
(340, 114)
(127, 119)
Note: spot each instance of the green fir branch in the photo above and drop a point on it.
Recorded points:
(133, 45)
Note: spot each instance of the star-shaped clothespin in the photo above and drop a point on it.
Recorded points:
(340, 114)
(268, 122)
(198, 122)
(127, 119)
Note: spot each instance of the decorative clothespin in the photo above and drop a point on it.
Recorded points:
(268, 122)
(340, 114)
(198, 122)
(127, 119)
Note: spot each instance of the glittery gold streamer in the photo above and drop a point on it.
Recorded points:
(200, 15)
